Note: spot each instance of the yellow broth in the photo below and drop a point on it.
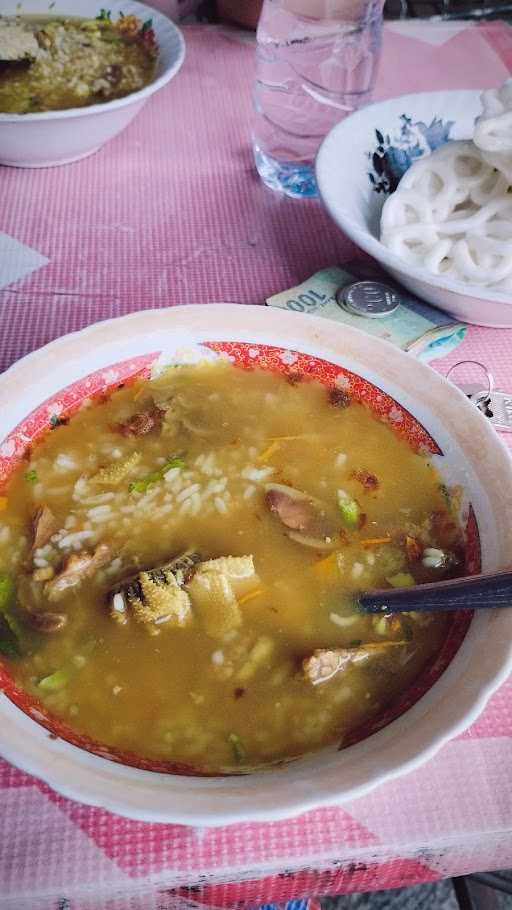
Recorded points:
(208, 695)
(79, 62)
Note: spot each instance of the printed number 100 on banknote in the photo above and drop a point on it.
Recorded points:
(414, 326)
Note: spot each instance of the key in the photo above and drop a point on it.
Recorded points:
(497, 406)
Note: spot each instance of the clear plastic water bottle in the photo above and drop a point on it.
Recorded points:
(316, 63)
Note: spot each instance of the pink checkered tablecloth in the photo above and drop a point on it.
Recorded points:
(170, 213)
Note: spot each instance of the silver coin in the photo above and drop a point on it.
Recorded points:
(368, 298)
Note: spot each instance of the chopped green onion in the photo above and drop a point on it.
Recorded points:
(8, 646)
(146, 26)
(31, 476)
(401, 580)
(54, 682)
(13, 625)
(104, 15)
(140, 486)
(173, 463)
(6, 593)
(143, 484)
(7, 602)
(239, 752)
(445, 493)
(11, 632)
(349, 509)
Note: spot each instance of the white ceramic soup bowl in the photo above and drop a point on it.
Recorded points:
(417, 403)
(59, 137)
(367, 153)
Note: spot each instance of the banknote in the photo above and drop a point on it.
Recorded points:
(416, 327)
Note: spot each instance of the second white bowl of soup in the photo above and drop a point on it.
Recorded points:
(88, 73)
(214, 501)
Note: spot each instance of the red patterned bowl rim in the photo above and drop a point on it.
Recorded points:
(296, 366)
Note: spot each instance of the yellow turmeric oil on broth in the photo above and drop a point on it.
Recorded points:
(284, 501)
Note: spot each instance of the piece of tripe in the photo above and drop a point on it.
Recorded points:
(214, 589)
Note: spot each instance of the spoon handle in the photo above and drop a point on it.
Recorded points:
(476, 592)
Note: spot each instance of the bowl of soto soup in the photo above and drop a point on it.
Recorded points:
(191, 502)
(72, 78)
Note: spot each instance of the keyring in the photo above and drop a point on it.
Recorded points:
(472, 389)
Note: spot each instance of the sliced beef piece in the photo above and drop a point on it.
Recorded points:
(48, 622)
(324, 664)
(77, 569)
(302, 515)
(367, 480)
(339, 398)
(143, 423)
(44, 524)
(296, 514)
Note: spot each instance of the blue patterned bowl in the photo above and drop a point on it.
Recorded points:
(362, 160)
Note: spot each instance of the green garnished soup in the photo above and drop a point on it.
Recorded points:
(180, 566)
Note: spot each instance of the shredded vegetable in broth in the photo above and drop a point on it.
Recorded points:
(180, 567)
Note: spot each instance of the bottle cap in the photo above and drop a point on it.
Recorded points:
(372, 299)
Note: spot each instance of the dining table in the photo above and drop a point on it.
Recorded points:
(172, 212)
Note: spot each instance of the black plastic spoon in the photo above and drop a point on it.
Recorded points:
(476, 592)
